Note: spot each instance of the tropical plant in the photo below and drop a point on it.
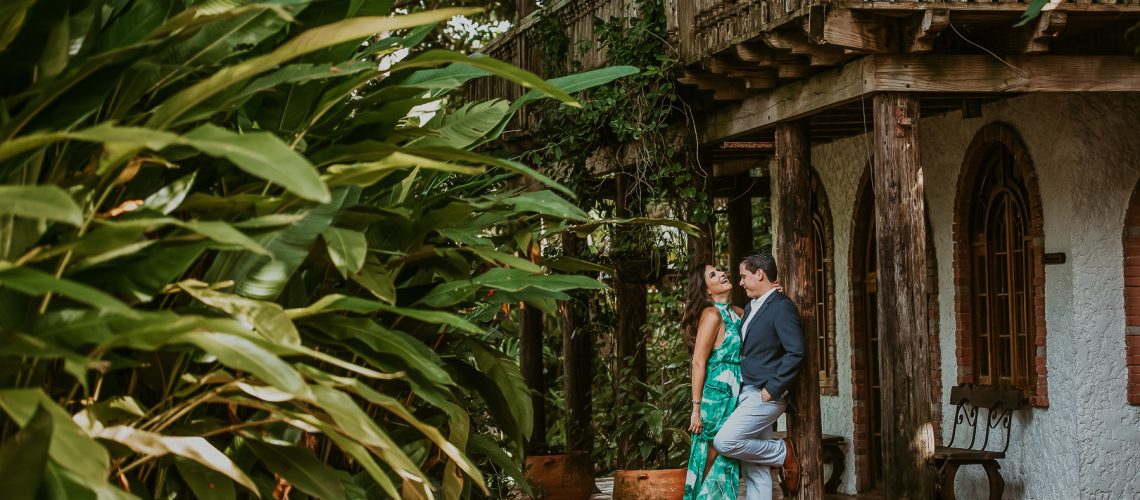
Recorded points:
(236, 259)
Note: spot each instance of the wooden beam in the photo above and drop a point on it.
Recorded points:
(904, 367)
(763, 56)
(928, 28)
(798, 44)
(858, 31)
(983, 73)
(793, 242)
(958, 74)
(800, 98)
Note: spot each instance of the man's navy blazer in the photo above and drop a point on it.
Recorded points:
(773, 347)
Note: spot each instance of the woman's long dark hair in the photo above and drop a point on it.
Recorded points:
(696, 300)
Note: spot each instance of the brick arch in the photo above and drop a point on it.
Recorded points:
(988, 137)
(1131, 241)
(863, 217)
(828, 382)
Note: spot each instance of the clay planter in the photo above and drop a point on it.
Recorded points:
(664, 484)
(561, 477)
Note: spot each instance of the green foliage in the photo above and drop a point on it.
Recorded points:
(231, 255)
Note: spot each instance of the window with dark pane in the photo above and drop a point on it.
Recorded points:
(1002, 273)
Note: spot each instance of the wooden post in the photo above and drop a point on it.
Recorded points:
(632, 310)
(530, 363)
(577, 361)
(739, 231)
(794, 244)
(904, 367)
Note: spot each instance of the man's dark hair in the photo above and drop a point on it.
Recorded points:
(761, 259)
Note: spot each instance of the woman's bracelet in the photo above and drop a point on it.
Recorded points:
(696, 401)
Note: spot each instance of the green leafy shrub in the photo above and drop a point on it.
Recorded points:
(234, 260)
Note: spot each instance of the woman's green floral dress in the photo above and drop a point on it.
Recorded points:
(722, 386)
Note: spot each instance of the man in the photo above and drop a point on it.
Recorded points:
(770, 356)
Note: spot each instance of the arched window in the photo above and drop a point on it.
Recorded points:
(1131, 239)
(823, 275)
(1000, 260)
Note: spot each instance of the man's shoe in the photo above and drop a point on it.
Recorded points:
(790, 471)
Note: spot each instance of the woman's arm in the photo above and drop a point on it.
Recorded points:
(707, 331)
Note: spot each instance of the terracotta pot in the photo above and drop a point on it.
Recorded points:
(664, 484)
(561, 477)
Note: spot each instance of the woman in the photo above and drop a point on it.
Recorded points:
(712, 328)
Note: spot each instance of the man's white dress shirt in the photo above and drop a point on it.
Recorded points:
(755, 306)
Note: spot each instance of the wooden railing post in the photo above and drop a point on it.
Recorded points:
(904, 367)
(793, 246)
(577, 360)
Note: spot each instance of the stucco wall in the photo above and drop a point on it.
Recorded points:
(1085, 154)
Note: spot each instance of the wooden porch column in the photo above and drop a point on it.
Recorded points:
(904, 367)
(793, 245)
(530, 363)
(739, 231)
(577, 362)
(632, 311)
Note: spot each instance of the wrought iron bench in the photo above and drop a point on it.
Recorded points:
(976, 437)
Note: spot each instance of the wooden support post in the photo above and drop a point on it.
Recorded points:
(577, 361)
(530, 363)
(794, 244)
(632, 310)
(739, 231)
(904, 367)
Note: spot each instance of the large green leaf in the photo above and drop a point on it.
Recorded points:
(263, 277)
(40, 202)
(466, 125)
(23, 460)
(506, 375)
(404, 350)
(266, 318)
(483, 445)
(309, 41)
(508, 280)
(346, 248)
(263, 155)
(518, 75)
(300, 468)
(205, 483)
(33, 282)
(70, 448)
(193, 448)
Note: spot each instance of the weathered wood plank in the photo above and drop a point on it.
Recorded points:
(799, 98)
(908, 433)
(981, 73)
(856, 31)
(959, 74)
(793, 241)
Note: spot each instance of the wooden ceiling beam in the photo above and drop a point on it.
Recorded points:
(977, 75)
(926, 29)
(859, 32)
(1034, 38)
(798, 44)
(724, 88)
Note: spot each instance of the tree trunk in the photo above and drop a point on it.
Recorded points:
(794, 244)
(577, 359)
(904, 367)
(739, 231)
(530, 363)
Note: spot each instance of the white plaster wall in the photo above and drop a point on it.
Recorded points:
(1085, 154)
